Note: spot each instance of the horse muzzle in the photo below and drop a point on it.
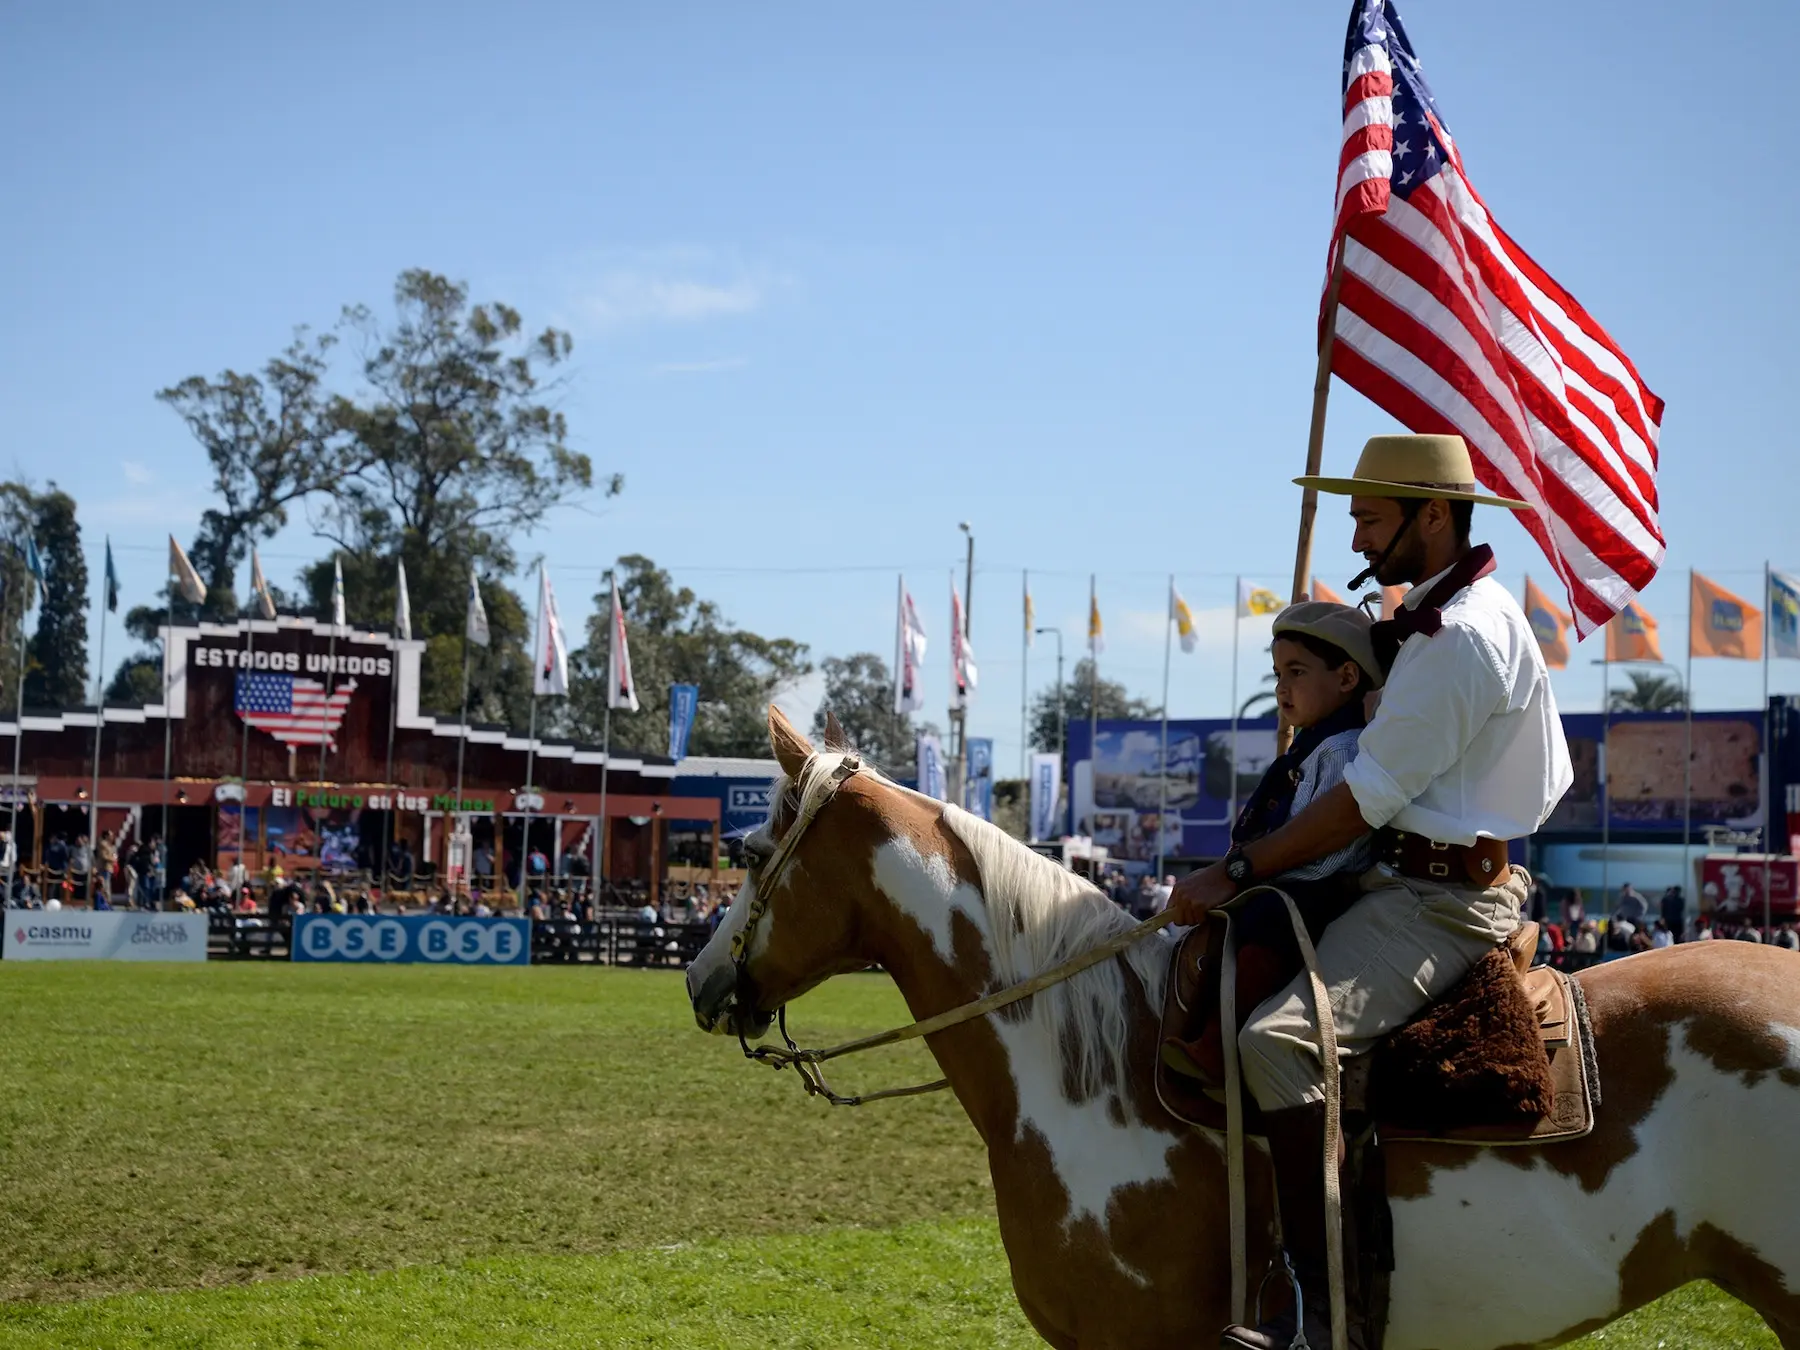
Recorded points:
(717, 1007)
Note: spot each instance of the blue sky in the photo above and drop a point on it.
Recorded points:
(842, 276)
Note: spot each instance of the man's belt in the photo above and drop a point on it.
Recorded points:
(1482, 863)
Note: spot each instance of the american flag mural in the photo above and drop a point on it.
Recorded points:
(294, 711)
(1447, 324)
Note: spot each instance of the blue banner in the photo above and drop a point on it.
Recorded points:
(684, 701)
(441, 939)
(978, 790)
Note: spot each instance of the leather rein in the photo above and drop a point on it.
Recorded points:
(807, 1063)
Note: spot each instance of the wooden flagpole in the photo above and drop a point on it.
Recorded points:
(1315, 455)
(1315, 440)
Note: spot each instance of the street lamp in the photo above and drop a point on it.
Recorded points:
(1062, 710)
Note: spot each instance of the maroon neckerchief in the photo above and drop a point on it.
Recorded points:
(1427, 616)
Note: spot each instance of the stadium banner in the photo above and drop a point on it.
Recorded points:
(1046, 792)
(103, 935)
(432, 939)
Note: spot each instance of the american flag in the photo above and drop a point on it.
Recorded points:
(1447, 324)
(292, 710)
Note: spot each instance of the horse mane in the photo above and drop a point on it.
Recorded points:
(1041, 914)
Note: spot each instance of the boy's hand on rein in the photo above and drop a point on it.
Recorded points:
(1199, 893)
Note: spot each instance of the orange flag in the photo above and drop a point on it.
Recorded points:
(1549, 625)
(1632, 636)
(1391, 596)
(1320, 591)
(1722, 624)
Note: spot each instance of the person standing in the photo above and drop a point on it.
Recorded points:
(1464, 754)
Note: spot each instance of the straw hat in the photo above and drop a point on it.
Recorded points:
(1413, 466)
(1340, 625)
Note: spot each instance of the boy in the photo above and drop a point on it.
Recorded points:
(1325, 670)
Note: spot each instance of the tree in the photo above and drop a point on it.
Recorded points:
(859, 691)
(58, 672)
(1649, 692)
(678, 638)
(1113, 702)
(271, 445)
(454, 451)
(18, 518)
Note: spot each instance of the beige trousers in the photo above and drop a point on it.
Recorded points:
(1405, 943)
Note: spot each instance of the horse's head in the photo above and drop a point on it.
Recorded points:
(795, 920)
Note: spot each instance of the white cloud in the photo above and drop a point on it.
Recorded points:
(666, 286)
(700, 367)
(135, 472)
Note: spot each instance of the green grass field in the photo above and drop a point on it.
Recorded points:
(275, 1156)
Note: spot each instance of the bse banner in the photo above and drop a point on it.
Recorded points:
(684, 702)
(1046, 788)
(103, 935)
(440, 939)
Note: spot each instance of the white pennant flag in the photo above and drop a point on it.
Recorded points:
(259, 587)
(476, 629)
(962, 658)
(621, 690)
(193, 590)
(402, 606)
(1183, 618)
(551, 672)
(337, 593)
(909, 655)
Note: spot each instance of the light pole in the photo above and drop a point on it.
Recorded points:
(1605, 793)
(1062, 711)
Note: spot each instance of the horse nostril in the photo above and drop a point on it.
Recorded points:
(712, 995)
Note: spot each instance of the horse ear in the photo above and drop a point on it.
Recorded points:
(835, 739)
(792, 750)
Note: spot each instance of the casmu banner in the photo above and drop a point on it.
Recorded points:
(105, 935)
(432, 938)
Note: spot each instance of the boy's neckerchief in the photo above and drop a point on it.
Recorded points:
(1269, 806)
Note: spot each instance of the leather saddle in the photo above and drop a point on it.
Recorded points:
(1505, 1057)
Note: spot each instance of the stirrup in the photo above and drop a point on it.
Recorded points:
(1299, 1342)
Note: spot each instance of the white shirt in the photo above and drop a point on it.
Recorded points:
(1467, 743)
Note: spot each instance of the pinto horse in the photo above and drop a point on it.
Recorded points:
(1113, 1213)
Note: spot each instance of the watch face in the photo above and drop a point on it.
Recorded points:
(1238, 869)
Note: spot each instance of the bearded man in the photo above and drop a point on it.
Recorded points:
(1464, 754)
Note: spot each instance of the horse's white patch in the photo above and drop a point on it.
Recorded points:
(927, 892)
(1093, 1155)
(1792, 1036)
(1499, 1256)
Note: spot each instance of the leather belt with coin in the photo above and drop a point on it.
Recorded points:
(1483, 863)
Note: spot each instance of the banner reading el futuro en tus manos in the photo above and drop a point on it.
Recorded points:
(103, 935)
(429, 938)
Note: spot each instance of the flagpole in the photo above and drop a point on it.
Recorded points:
(168, 736)
(1606, 773)
(387, 819)
(462, 741)
(1025, 683)
(1687, 763)
(1768, 769)
(12, 820)
(1315, 439)
(612, 620)
(330, 670)
(244, 741)
(1237, 611)
(99, 724)
(1093, 704)
(1162, 794)
(531, 735)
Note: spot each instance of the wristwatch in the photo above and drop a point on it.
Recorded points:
(1239, 868)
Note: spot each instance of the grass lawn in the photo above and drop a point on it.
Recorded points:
(537, 1157)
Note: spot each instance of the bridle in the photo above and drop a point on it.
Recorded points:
(806, 1063)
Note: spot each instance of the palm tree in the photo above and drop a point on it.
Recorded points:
(1649, 692)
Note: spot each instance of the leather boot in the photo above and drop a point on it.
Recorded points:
(1296, 1138)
